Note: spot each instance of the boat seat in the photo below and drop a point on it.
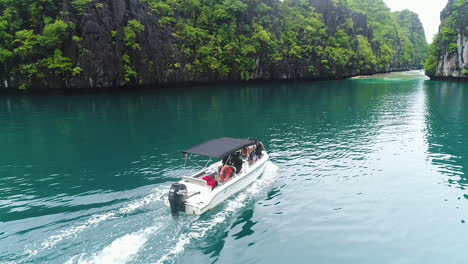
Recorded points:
(211, 174)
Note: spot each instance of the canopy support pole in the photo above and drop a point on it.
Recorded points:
(207, 162)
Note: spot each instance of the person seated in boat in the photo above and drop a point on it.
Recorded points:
(225, 160)
(259, 147)
(252, 158)
(229, 160)
(237, 161)
(248, 153)
(233, 161)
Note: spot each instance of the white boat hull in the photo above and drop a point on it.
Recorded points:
(204, 198)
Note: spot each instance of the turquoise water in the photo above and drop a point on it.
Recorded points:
(363, 171)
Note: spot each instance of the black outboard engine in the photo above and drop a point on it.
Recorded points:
(177, 197)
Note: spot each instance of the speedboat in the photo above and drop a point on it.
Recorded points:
(240, 163)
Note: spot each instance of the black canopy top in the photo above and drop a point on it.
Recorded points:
(220, 148)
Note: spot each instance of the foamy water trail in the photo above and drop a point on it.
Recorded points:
(157, 194)
(125, 248)
(120, 251)
(201, 228)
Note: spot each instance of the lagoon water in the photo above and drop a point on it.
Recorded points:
(368, 170)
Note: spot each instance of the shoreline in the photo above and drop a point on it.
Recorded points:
(193, 84)
(448, 79)
(154, 87)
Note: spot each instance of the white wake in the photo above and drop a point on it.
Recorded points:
(157, 194)
(199, 229)
(120, 251)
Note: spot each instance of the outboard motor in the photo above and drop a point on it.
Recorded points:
(177, 197)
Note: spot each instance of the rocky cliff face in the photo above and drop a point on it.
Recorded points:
(449, 58)
(102, 47)
(412, 26)
(114, 43)
(101, 56)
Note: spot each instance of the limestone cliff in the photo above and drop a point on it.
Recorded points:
(449, 51)
(412, 26)
(161, 58)
(115, 43)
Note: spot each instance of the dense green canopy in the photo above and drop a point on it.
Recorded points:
(233, 39)
(445, 51)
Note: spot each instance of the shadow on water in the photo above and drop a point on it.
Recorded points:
(83, 176)
(246, 220)
(60, 152)
(447, 130)
(273, 193)
(214, 242)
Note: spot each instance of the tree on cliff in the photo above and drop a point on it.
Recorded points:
(448, 54)
(103, 43)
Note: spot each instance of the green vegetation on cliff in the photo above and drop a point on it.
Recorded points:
(32, 42)
(417, 48)
(44, 43)
(400, 34)
(448, 50)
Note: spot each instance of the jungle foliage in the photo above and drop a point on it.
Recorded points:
(290, 30)
(225, 37)
(453, 23)
(32, 36)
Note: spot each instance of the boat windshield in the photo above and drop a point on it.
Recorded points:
(200, 162)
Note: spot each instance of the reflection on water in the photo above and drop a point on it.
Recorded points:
(369, 170)
(447, 130)
(416, 75)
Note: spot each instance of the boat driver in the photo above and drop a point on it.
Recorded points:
(234, 160)
(237, 161)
